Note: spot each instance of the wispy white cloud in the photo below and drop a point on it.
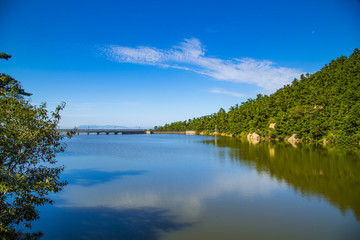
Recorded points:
(223, 91)
(190, 55)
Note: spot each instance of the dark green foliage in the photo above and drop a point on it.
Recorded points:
(19, 235)
(10, 87)
(5, 56)
(325, 104)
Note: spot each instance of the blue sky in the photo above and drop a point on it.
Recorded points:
(145, 63)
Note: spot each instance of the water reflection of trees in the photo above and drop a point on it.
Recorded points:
(312, 170)
(21, 235)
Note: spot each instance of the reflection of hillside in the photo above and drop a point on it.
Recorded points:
(314, 171)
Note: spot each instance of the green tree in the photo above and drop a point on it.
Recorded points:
(323, 105)
(28, 146)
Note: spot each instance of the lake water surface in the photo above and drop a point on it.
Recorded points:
(201, 187)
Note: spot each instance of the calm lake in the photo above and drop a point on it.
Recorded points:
(201, 187)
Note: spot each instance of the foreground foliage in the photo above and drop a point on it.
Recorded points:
(28, 144)
(323, 105)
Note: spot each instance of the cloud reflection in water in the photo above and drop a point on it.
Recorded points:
(108, 223)
(183, 196)
(89, 177)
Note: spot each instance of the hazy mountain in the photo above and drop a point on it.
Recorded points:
(111, 127)
(101, 127)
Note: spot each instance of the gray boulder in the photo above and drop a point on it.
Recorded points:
(294, 138)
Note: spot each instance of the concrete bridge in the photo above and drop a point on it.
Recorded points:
(106, 131)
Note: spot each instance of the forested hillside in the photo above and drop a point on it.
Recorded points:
(325, 104)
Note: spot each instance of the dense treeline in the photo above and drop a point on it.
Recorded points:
(316, 106)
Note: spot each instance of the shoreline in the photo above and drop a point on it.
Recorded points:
(295, 141)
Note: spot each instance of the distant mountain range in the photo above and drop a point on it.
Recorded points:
(101, 127)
